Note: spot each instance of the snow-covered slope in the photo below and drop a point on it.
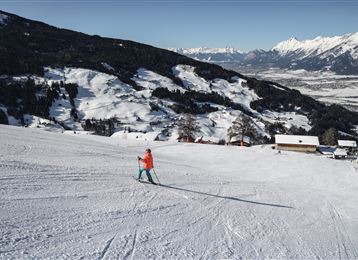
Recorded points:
(73, 197)
(103, 96)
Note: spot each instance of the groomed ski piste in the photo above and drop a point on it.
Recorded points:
(73, 197)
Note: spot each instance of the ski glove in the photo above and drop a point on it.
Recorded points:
(139, 158)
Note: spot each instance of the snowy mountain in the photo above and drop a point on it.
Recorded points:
(320, 46)
(338, 54)
(61, 79)
(215, 55)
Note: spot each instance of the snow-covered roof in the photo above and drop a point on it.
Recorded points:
(340, 152)
(347, 143)
(326, 150)
(206, 139)
(237, 138)
(297, 139)
(198, 139)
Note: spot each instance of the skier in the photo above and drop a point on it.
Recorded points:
(147, 161)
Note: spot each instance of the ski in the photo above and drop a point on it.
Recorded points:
(143, 181)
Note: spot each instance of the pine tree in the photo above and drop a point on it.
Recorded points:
(330, 137)
(242, 126)
(188, 126)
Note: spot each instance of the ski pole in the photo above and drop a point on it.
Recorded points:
(138, 169)
(156, 176)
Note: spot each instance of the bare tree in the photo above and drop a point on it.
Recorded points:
(242, 126)
(188, 126)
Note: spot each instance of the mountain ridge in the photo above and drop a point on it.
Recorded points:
(338, 54)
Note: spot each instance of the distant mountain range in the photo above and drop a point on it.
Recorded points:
(57, 78)
(215, 55)
(338, 54)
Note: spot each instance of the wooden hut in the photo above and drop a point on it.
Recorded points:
(298, 143)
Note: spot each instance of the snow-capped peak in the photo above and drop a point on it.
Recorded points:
(206, 50)
(227, 54)
(319, 45)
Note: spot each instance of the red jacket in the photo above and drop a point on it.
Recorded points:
(147, 161)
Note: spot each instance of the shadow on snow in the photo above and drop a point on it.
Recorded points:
(226, 197)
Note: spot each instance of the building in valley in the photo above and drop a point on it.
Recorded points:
(298, 143)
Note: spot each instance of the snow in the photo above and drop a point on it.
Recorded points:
(340, 152)
(12, 120)
(326, 87)
(326, 150)
(151, 80)
(190, 79)
(72, 196)
(236, 92)
(104, 96)
(288, 119)
(100, 96)
(320, 45)
(151, 136)
(3, 19)
(206, 50)
(277, 87)
(347, 143)
(38, 122)
(237, 138)
(107, 66)
(297, 139)
(217, 55)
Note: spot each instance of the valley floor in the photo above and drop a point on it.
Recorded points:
(74, 197)
(326, 87)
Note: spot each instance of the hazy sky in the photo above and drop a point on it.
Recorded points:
(242, 24)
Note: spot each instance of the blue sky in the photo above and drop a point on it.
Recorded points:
(242, 24)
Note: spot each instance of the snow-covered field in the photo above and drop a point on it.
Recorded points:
(326, 87)
(72, 196)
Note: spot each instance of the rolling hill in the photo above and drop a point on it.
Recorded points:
(61, 79)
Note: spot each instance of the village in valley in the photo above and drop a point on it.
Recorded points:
(345, 149)
(239, 135)
(331, 146)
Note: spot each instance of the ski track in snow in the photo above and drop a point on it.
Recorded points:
(74, 197)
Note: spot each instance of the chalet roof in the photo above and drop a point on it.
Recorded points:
(347, 143)
(297, 139)
(237, 138)
(208, 139)
(198, 139)
(326, 150)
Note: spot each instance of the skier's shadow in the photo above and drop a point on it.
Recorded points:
(226, 197)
